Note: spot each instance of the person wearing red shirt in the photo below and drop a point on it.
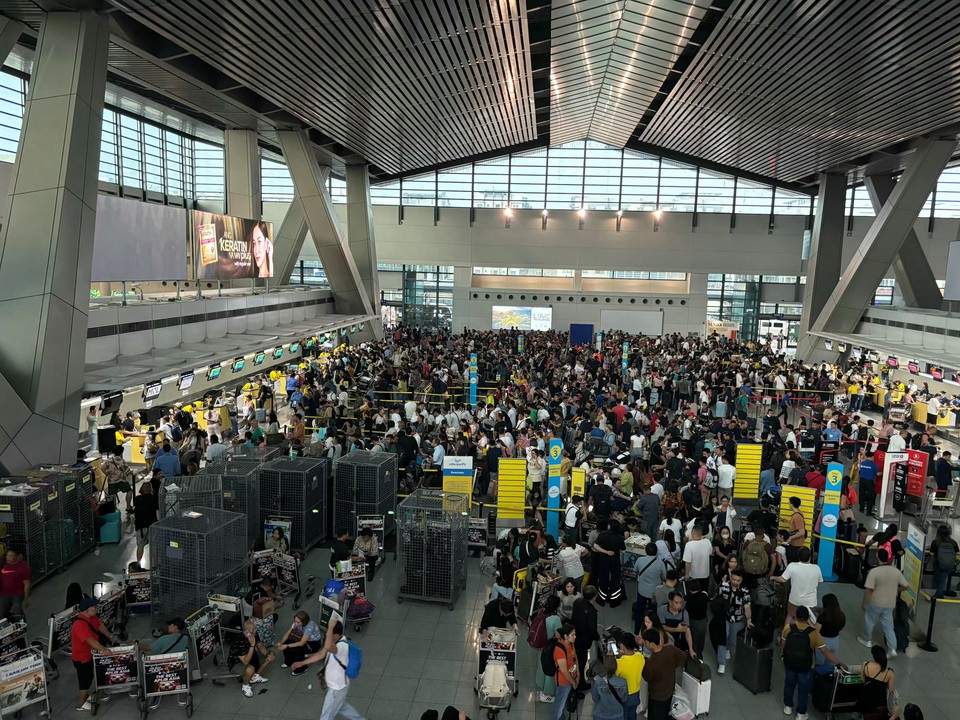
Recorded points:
(14, 586)
(816, 480)
(85, 636)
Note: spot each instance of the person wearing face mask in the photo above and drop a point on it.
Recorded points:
(723, 546)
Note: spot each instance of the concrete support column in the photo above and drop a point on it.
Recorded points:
(10, 31)
(884, 241)
(826, 246)
(363, 245)
(287, 243)
(46, 245)
(242, 169)
(310, 186)
(915, 280)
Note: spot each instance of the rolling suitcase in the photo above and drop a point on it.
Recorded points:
(696, 684)
(852, 565)
(752, 665)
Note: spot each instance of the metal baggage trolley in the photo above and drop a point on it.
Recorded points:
(24, 682)
(290, 581)
(499, 646)
(115, 671)
(162, 675)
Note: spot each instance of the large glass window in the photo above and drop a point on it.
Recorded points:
(948, 193)
(788, 202)
(13, 92)
(420, 190)
(678, 185)
(276, 185)
(491, 180)
(208, 171)
(565, 177)
(109, 147)
(385, 193)
(639, 191)
(454, 186)
(527, 179)
(715, 192)
(601, 179)
(753, 198)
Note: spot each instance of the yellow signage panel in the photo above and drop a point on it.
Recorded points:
(747, 483)
(512, 488)
(808, 499)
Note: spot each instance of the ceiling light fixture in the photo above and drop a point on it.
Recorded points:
(507, 214)
(582, 213)
(619, 219)
(543, 220)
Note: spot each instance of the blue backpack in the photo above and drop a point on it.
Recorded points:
(354, 660)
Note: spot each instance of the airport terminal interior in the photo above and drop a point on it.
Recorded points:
(534, 359)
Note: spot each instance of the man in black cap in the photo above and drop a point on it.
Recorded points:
(174, 640)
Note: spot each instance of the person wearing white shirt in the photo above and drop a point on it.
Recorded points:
(696, 556)
(671, 523)
(791, 438)
(805, 579)
(898, 442)
(657, 489)
(726, 474)
(335, 673)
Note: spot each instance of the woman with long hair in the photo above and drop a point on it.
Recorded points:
(878, 686)
(668, 549)
(830, 621)
(261, 249)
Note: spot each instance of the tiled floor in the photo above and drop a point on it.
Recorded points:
(419, 656)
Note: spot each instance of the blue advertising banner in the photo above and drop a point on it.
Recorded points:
(473, 380)
(830, 517)
(520, 344)
(599, 341)
(623, 359)
(553, 488)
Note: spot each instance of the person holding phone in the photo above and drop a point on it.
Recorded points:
(676, 622)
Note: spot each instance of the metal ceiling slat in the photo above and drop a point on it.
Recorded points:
(430, 93)
(787, 89)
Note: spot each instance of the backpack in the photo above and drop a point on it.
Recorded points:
(354, 660)
(946, 557)
(797, 653)
(755, 558)
(547, 662)
(176, 433)
(493, 682)
(537, 634)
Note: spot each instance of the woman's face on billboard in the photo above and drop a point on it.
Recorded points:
(259, 246)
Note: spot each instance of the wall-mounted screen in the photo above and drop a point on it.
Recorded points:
(936, 373)
(238, 364)
(229, 247)
(893, 362)
(258, 359)
(828, 344)
(506, 317)
(278, 352)
(310, 343)
(214, 372)
(135, 240)
(841, 347)
(152, 391)
(913, 366)
(873, 356)
(186, 380)
(294, 347)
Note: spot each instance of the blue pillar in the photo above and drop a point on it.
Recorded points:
(520, 344)
(553, 488)
(829, 520)
(623, 359)
(599, 341)
(473, 380)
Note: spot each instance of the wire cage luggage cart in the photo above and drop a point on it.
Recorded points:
(115, 671)
(296, 488)
(365, 483)
(240, 482)
(497, 648)
(432, 546)
(163, 675)
(21, 515)
(193, 554)
(23, 677)
(184, 492)
(51, 510)
(257, 454)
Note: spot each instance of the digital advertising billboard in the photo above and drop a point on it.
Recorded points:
(231, 248)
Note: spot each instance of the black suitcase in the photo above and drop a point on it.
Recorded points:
(822, 692)
(752, 665)
(852, 565)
